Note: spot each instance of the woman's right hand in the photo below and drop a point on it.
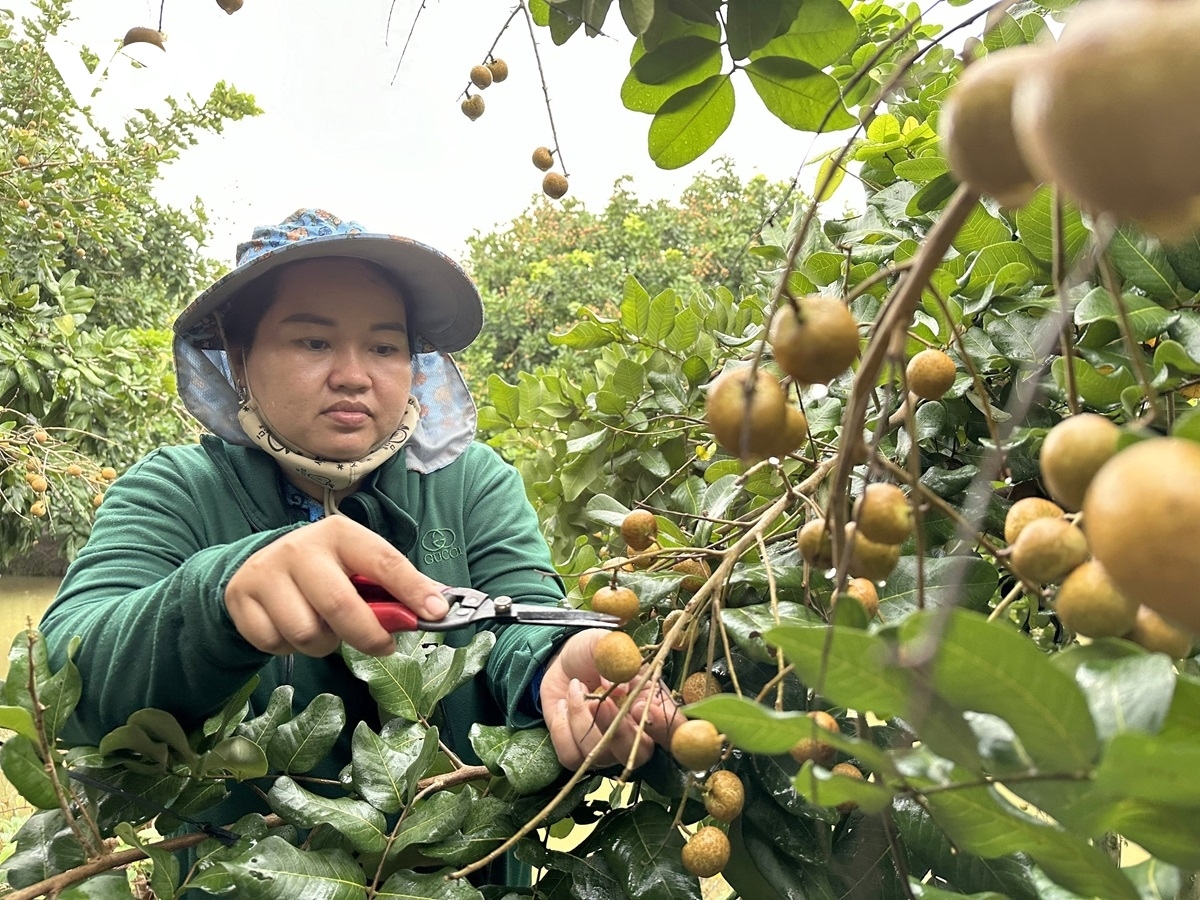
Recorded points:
(295, 595)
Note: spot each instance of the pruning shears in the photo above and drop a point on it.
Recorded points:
(469, 607)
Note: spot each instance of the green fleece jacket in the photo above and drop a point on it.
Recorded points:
(146, 594)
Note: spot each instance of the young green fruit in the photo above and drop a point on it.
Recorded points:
(724, 795)
(499, 69)
(481, 76)
(977, 128)
(472, 107)
(1025, 511)
(1047, 550)
(699, 685)
(543, 158)
(1142, 513)
(1063, 112)
(696, 745)
(554, 185)
(746, 426)
(1089, 603)
(884, 514)
(706, 852)
(815, 341)
(1072, 453)
(616, 601)
(639, 529)
(617, 657)
(930, 374)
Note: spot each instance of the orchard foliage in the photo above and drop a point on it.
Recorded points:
(92, 269)
(557, 258)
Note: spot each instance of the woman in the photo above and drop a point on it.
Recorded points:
(341, 443)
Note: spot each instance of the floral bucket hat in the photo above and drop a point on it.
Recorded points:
(445, 310)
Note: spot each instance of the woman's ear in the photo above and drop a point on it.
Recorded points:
(237, 370)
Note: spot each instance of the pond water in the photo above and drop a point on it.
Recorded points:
(22, 600)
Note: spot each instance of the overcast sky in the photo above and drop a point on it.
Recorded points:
(399, 157)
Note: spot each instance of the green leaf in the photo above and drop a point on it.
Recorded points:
(1142, 261)
(932, 196)
(526, 757)
(272, 869)
(690, 121)
(488, 822)
(1151, 770)
(379, 769)
(637, 15)
(505, 398)
(1126, 690)
(25, 771)
(361, 823)
(798, 94)
(18, 719)
(394, 681)
(406, 885)
(1184, 259)
(747, 624)
(164, 874)
(635, 307)
(641, 847)
(160, 725)
(823, 787)
(856, 674)
(302, 742)
(239, 756)
(449, 668)
(980, 229)
(663, 309)
(966, 581)
(820, 35)
(749, 24)
(1146, 318)
(431, 820)
(921, 170)
(830, 177)
(1034, 225)
(416, 742)
(46, 845)
(987, 667)
(105, 886)
(676, 62)
(585, 335)
(261, 729)
(1098, 390)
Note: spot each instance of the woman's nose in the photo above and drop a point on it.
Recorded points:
(349, 370)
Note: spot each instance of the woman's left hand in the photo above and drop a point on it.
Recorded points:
(577, 723)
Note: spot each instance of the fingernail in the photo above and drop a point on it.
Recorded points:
(436, 606)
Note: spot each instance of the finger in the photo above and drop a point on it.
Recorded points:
(630, 745)
(581, 714)
(362, 552)
(299, 622)
(253, 623)
(342, 610)
(559, 723)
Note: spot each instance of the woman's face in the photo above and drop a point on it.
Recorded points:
(330, 365)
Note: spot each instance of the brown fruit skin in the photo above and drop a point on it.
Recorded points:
(1072, 453)
(694, 571)
(747, 427)
(499, 69)
(815, 342)
(644, 559)
(230, 6)
(814, 543)
(473, 107)
(813, 748)
(977, 128)
(481, 76)
(863, 590)
(140, 35)
(724, 795)
(868, 558)
(1089, 603)
(696, 745)
(680, 641)
(617, 657)
(616, 601)
(1142, 513)
(639, 528)
(1025, 511)
(848, 770)
(1063, 113)
(794, 433)
(1154, 633)
(930, 374)
(108, 473)
(554, 185)
(706, 852)
(543, 158)
(1047, 550)
(883, 513)
(699, 685)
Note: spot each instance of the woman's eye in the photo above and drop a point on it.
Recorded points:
(314, 344)
(387, 350)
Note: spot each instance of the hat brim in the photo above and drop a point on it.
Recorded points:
(443, 303)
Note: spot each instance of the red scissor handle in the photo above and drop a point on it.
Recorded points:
(391, 613)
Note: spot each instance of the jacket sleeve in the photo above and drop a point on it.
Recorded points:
(146, 596)
(507, 555)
